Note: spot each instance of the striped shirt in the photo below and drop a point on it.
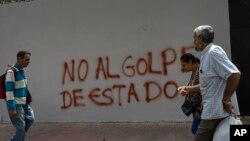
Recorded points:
(215, 68)
(15, 87)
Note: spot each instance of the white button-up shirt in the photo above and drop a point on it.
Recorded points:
(215, 68)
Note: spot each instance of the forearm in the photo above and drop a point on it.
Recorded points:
(194, 88)
(184, 90)
(232, 84)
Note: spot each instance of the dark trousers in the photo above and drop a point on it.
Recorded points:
(206, 129)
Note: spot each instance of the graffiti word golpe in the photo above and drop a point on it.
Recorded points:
(118, 93)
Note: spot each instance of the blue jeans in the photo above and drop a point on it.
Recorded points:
(22, 122)
(195, 124)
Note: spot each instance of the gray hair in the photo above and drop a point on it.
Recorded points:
(206, 32)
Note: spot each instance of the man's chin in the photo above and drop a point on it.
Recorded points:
(197, 49)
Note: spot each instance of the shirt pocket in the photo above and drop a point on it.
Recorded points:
(205, 78)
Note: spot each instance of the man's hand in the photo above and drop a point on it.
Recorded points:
(12, 114)
(228, 106)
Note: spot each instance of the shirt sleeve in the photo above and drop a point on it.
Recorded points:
(223, 66)
(9, 90)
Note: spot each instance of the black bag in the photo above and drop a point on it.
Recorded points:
(188, 107)
(28, 98)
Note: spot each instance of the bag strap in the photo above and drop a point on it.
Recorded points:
(14, 70)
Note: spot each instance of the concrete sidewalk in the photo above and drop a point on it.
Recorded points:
(152, 131)
(104, 132)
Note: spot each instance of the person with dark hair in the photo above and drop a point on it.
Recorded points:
(16, 86)
(190, 63)
(219, 78)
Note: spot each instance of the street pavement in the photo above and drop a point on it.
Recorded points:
(124, 131)
(164, 131)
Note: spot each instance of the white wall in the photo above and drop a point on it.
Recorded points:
(102, 34)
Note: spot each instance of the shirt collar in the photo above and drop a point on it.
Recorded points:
(18, 67)
(206, 48)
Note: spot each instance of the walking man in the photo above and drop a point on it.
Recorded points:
(219, 78)
(18, 102)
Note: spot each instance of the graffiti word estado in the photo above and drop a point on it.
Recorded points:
(118, 93)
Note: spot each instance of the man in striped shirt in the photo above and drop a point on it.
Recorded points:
(20, 112)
